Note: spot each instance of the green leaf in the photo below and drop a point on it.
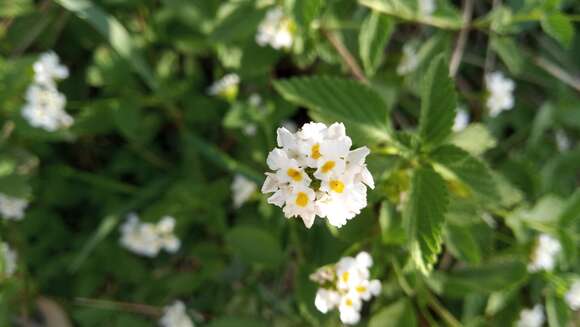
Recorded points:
(398, 314)
(557, 311)
(559, 27)
(115, 33)
(475, 139)
(467, 169)
(509, 52)
(462, 243)
(239, 20)
(13, 8)
(374, 35)
(305, 11)
(571, 211)
(438, 103)
(15, 186)
(424, 217)
(491, 277)
(255, 245)
(353, 103)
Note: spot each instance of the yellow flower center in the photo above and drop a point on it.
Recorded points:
(301, 199)
(349, 302)
(315, 152)
(327, 166)
(294, 174)
(361, 289)
(345, 276)
(337, 186)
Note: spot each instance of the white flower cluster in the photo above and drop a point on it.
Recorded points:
(316, 173)
(226, 87)
(545, 254)
(345, 286)
(12, 208)
(175, 316)
(9, 258)
(427, 7)
(276, 30)
(242, 190)
(409, 60)
(532, 317)
(500, 90)
(461, 119)
(149, 239)
(572, 297)
(45, 105)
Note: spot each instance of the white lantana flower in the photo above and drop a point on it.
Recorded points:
(47, 69)
(461, 120)
(276, 30)
(242, 190)
(410, 59)
(12, 208)
(149, 239)
(545, 254)
(572, 297)
(500, 90)
(427, 7)
(345, 285)
(9, 258)
(227, 87)
(316, 173)
(175, 316)
(532, 317)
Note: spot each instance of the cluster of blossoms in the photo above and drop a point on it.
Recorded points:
(410, 59)
(175, 316)
(345, 286)
(545, 254)
(45, 105)
(242, 190)
(316, 173)
(149, 239)
(572, 297)
(500, 90)
(8, 257)
(276, 30)
(227, 87)
(12, 208)
(532, 317)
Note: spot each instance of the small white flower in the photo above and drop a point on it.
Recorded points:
(545, 254)
(45, 108)
(562, 141)
(532, 317)
(301, 203)
(12, 208)
(500, 90)
(47, 69)
(148, 239)
(255, 100)
(349, 309)
(410, 59)
(461, 120)
(167, 240)
(9, 258)
(227, 87)
(175, 316)
(275, 30)
(326, 300)
(250, 130)
(427, 7)
(242, 190)
(572, 297)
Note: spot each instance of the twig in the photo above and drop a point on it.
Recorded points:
(346, 56)
(558, 72)
(434, 303)
(462, 38)
(139, 308)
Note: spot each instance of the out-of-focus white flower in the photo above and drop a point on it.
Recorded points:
(148, 239)
(242, 190)
(276, 30)
(562, 141)
(9, 258)
(47, 69)
(545, 254)
(572, 297)
(227, 87)
(255, 100)
(345, 286)
(316, 173)
(427, 7)
(250, 129)
(500, 90)
(12, 208)
(409, 60)
(175, 316)
(461, 119)
(532, 317)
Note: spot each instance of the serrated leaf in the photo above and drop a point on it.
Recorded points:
(559, 27)
(374, 35)
(467, 169)
(475, 139)
(398, 314)
(255, 245)
(509, 53)
(351, 102)
(438, 103)
(424, 217)
(114, 32)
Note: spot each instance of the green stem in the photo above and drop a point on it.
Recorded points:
(434, 303)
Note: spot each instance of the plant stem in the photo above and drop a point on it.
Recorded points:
(434, 303)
